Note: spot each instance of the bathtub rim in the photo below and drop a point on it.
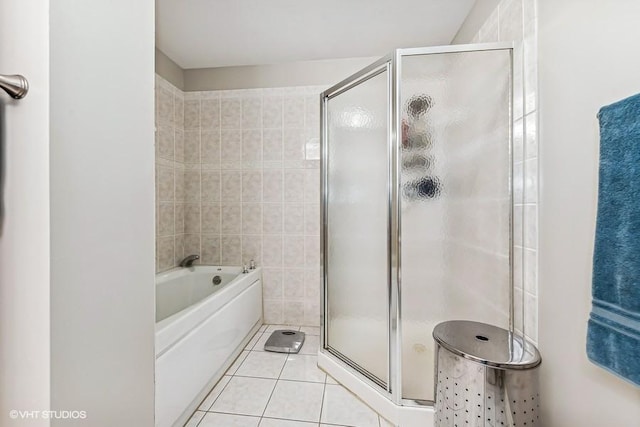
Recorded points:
(176, 272)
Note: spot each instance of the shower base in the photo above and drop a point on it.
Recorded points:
(405, 416)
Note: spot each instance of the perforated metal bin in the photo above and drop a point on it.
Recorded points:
(485, 377)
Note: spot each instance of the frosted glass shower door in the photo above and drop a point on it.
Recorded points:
(356, 224)
(455, 199)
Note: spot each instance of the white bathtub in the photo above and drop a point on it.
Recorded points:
(200, 329)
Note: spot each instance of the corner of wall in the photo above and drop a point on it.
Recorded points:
(516, 21)
(168, 69)
(476, 17)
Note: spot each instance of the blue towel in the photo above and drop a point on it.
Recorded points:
(613, 337)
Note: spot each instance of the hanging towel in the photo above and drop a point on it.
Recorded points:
(613, 337)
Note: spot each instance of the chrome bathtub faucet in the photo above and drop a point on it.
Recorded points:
(252, 265)
(188, 261)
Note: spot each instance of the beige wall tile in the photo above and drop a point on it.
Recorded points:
(272, 145)
(232, 250)
(210, 186)
(211, 218)
(252, 218)
(272, 283)
(231, 113)
(210, 114)
(294, 185)
(251, 113)
(252, 186)
(251, 145)
(252, 248)
(231, 218)
(192, 114)
(272, 218)
(211, 249)
(272, 112)
(227, 163)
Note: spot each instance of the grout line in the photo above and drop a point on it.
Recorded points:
(340, 425)
(254, 344)
(205, 414)
(200, 169)
(279, 379)
(274, 388)
(225, 374)
(234, 413)
(220, 394)
(324, 389)
(297, 420)
(219, 131)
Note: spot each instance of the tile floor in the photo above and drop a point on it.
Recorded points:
(263, 389)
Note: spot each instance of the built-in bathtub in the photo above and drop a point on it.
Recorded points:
(201, 327)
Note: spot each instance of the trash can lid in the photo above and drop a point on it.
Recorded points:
(486, 344)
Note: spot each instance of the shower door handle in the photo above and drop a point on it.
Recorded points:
(15, 85)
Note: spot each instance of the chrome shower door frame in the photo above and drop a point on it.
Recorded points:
(381, 66)
(392, 63)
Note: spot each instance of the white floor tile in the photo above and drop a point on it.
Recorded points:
(385, 423)
(272, 422)
(213, 419)
(331, 380)
(253, 341)
(260, 344)
(296, 401)
(343, 408)
(213, 395)
(310, 345)
(310, 330)
(195, 419)
(272, 328)
(262, 364)
(234, 367)
(244, 396)
(302, 367)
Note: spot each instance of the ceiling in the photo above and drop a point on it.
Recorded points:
(219, 33)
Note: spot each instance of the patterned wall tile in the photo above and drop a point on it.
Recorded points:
(239, 182)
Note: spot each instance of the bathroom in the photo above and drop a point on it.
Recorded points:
(133, 162)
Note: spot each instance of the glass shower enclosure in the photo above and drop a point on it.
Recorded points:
(416, 209)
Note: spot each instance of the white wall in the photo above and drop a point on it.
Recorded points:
(588, 58)
(24, 214)
(102, 211)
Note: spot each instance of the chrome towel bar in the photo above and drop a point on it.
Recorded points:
(15, 85)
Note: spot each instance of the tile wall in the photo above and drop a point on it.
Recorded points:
(237, 178)
(516, 21)
(169, 175)
(249, 183)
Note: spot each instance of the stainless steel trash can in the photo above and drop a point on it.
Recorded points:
(485, 376)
